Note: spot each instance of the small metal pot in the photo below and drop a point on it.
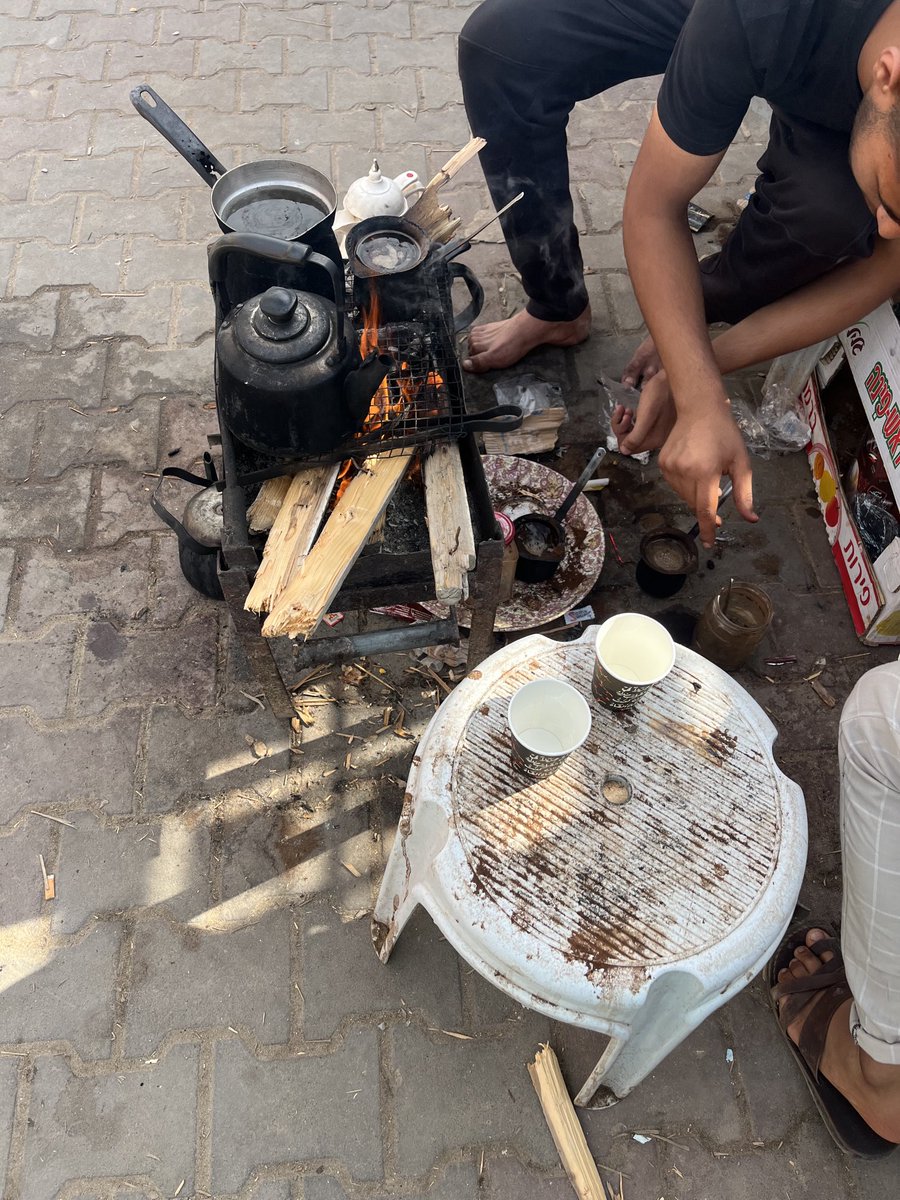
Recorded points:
(200, 529)
(541, 543)
(279, 198)
(423, 273)
(669, 555)
(362, 245)
(541, 539)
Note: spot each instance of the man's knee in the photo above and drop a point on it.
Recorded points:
(486, 26)
(870, 725)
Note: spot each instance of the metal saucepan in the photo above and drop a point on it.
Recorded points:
(385, 245)
(540, 539)
(282, 199)
(381, 248)
(669, 555)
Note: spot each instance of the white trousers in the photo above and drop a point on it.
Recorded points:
(869, 751)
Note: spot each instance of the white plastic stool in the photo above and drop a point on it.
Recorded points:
(635, 919)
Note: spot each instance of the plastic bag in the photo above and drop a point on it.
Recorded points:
(777, 426)
(877, 525)
(619, 393)
(767, 431)
(529, 393)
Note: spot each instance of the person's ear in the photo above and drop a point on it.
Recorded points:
(887, 76)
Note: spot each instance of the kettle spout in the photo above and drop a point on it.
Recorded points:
(362, 384)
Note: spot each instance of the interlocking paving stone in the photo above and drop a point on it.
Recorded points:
(458, 1182)
(110, 867)
(484, 1084)
(19, 430)
(100, 219)
(172, 970)
(7, 563)
(76, 376)
(693, 1081)
(797, 1170)
(105, 583)
(52, 221)
(171, 596)
(340, 964)
(8, 1084)
(99, 765)
(131, 1121)
(772, 1082)
(62, 993)
(136, 370)
(31, 323)
(36, 673)
(97, 265)
(507, 1179)
(23, 892)
(123, 506)
(199, 756)
(172, 664)
(308, 1107)
(127, 437)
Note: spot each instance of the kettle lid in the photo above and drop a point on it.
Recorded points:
(284, 326)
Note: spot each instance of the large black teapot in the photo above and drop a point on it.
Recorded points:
(290, 380)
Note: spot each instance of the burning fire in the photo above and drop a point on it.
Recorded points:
(399, 392)
(397, 395)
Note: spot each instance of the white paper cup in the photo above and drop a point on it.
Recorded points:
(632, 653)
(548, 719)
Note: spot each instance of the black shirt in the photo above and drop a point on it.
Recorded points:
(800, 55)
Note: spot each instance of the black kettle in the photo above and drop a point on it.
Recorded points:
(289, 377)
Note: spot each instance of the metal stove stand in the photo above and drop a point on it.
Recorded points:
(376, 579)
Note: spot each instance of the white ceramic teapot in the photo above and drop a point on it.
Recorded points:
(377, 195)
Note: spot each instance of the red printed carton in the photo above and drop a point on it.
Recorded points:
(872, 589)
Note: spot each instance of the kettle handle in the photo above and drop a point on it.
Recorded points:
(462, 320)
(277, 250)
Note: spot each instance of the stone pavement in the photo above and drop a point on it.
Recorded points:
(199, 1013)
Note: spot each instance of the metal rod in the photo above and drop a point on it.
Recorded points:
(497, 215)
(578, 487)
(379, 641)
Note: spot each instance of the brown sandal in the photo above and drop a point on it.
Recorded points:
(844, 1123)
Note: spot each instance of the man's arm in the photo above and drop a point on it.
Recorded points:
(705, 442)
(812, 313)
(805, 317)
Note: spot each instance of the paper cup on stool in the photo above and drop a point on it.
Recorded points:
(632, 653)
(548, 719)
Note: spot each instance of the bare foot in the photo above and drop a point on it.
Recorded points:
(872, 1088)
(645, 363)
(503, 343)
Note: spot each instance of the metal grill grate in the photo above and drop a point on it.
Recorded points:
(422, 397)
(422, 400)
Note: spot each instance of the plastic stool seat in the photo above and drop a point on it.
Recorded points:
(635, 919)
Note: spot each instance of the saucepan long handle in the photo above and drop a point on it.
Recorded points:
(155, 110)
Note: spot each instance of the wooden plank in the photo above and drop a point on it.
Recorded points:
(564, 1126)
(450, 168)
(265, 508)
(450, 533)
(428, 212)
(308, 595)
(293, 533)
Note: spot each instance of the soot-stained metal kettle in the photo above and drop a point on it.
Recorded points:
(290, 380)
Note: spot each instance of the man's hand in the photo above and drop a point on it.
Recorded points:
(704, 445)
(651, 424)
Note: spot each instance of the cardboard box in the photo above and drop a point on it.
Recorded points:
(872, 589)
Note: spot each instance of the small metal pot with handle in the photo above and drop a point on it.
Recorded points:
(395, 249)
(274, 197)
